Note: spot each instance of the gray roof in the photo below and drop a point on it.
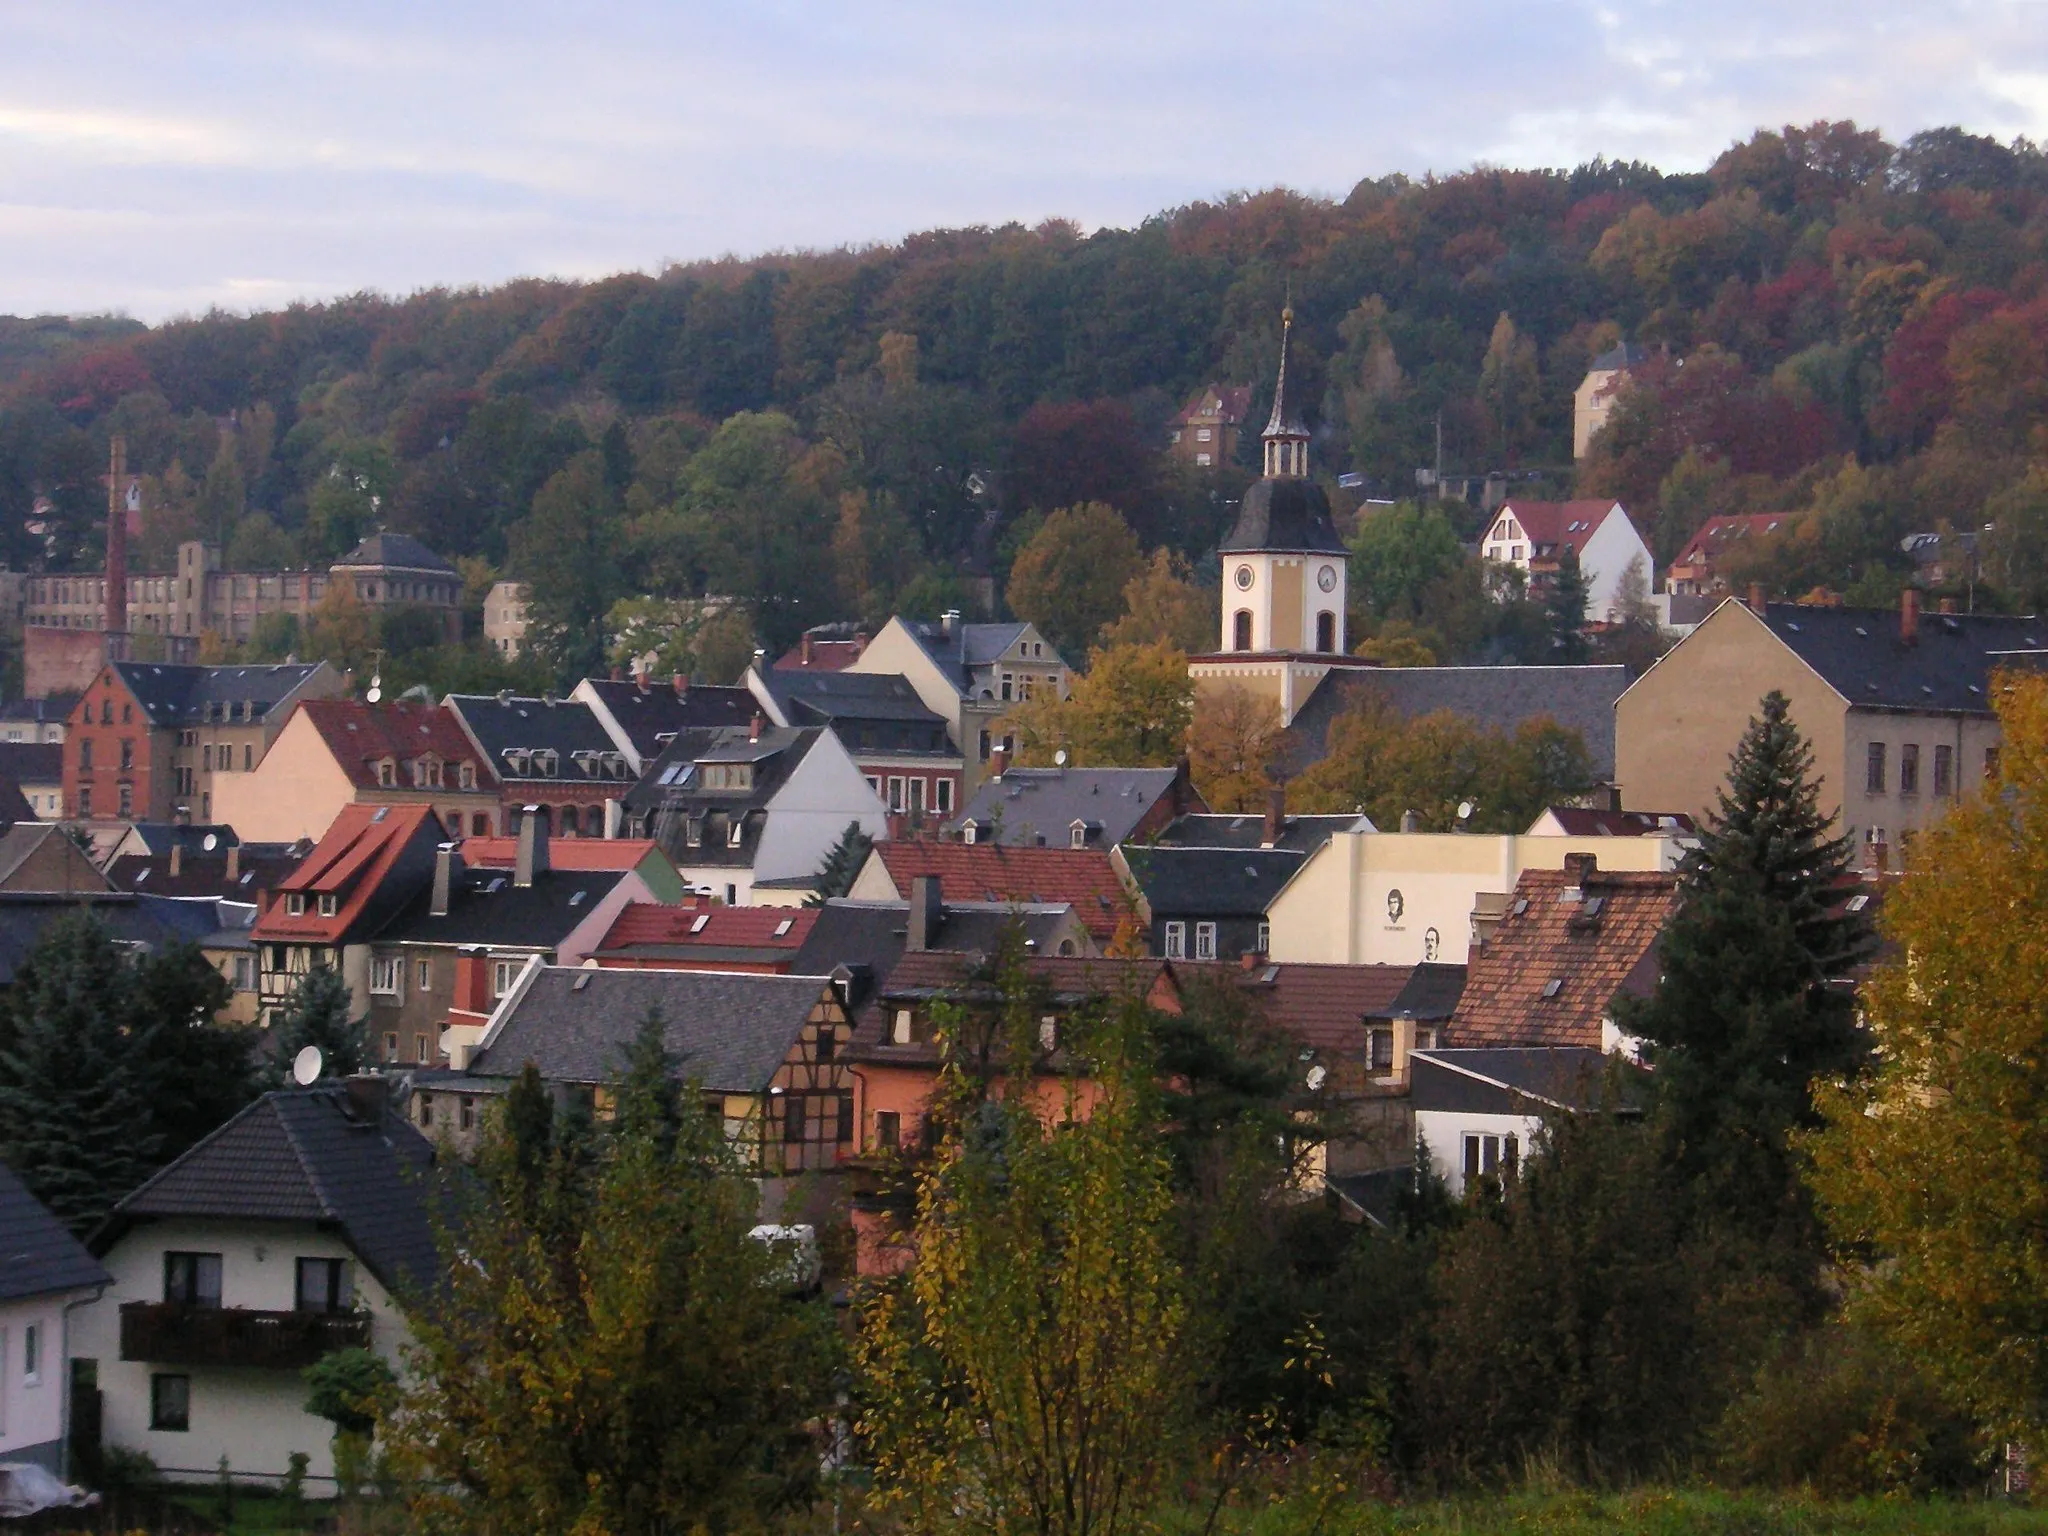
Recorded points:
(305, 1155)
(730, 1030)
(1038, 806)
(869, 711)
(37, 1255)
(1858, 651)
(152, 922)
(1210, 882)
(1566, 1076)
(1431, 992)
(1210, 829)
(969, 645)
(1500, 698)
(1626, 355)
(54, 710)
(32, 762)
(504, 722)
(650, 716)
(400, 551)
(173, 694)
(672, 792)
(14, 806)
(260, 867)
(485, 907)
(1290, 515)
(871, 934)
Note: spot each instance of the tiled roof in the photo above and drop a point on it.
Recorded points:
(1498, 698)
(1232, 401)
(368, 848)
(204, 874)
(577, 853)
(1210, 829)
(401, 551)
(1859, 653)
(1210, 882)
(1325, 1006)
(1555, 526)
(172, 694)
(1717, 533)
(48, 711)
(305, 1155)
(1549, 973)
(1585, 821)
(648, 716)
(1082, 878)
(360, 736)
(37, 1255)
(1037, 807)
(646, 930)
(870, 935)
(730, 1030)
(968, 646)
(485, 907)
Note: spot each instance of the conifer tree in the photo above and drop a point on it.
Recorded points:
(318, 1014)
(1564, 611)
(842, 865)
(1750, 1008)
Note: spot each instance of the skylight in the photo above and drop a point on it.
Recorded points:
(701, 923)
(784, 926)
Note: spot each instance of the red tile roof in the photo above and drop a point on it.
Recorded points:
(1325, 1006)
(575, 853)
(350, 863)
(710, 927)
(1718, 532)
(825, 656)
(361, 736)
(1081, 877)
(1553, 526)
(1549, 973)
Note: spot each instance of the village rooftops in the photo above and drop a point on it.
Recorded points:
(1082, 878)
(423, 746)
(361, 873)
(1075, 807)
(871, 937)
(540, 739)
(144, 923)
(648, 714)
(488, 907)
(397, 552)
(958, 649)
(707, 935)
(173, 695)
(238, 873)
(1904, 659)
(1326, 1006)
(1520, 1079)
(1299, 834)
(1209, 882)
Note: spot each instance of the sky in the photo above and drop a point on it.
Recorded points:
(159, 158)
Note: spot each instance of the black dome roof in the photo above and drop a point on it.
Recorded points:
(1289, 515)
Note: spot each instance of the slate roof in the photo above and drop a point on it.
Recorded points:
(260, 867)
(1627, 354)
(648, 716)
(969, 646)
(1287, 515)
(172, 694)
(1586, 821)
(1326, 1006)
(159, 836)
(38, 1255)
(501, 723)
(54, 710)
(362, 735)
(153, 922)
(869, 935)
(1499, 698)
(1211, 829)
(1549, 973)
(1561, 1077)
(1858, 653)
(1210, 882)
(1430, 995)
(32, 762)
(731, 1030)
(1082, 878)
(871, 711)
(486, 908)
(306, 1155)
(1037, 807)
(704, 934)
(14, 806)
(400, 551)
(672, 791)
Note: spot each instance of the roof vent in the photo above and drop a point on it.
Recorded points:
(582, 980)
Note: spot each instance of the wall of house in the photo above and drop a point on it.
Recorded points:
(255, 1418)
(1444, 1131)
(296, 791)
(810, 812)
(1893, 810)
(895, 650)
(1676, 726)
(32, 1407)
(1606, 556)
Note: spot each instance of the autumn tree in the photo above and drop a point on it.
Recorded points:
(1508, 385)
(1131, 709)
(567, 550)
(1070, 578)
(344, 631)
(1162, 602)
(1927, 1171)
(1233, 740)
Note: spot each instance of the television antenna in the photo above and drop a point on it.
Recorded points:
(306, 1066)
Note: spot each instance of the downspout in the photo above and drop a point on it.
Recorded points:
(64, 1386)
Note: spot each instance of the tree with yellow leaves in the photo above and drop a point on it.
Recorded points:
(1162, 602)
(1929, 1172)
(1231, 747)
(1130, 710)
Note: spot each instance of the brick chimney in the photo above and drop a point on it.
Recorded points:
(806, 644)
(117, 540)
(1578, 869)
(531, 857)
(998, 760)
(1276, 815)
(1756, 598)
(1946, 605)
(234, 862)
(927, 908)
(860, 643)
(177, 857)
(756, 726)
(1909, 616)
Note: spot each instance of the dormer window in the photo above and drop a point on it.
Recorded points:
(518, 759)
(295, 904)
(693, 830)
(330, 904)
(467, 774)
(733, 830)
(545, 762)
(387, 773)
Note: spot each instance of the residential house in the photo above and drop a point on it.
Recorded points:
(336, 752)
(366, 870)
(1944, 558)
(1077, 807)
(1081, 878)
(157, 837)
(1206, 903)
(240, 872)
(46, 1274)
(1413, 1019)
(1581, 699)
(750, 814)
(136, 922)
(1478, 1112)
(1897, 706)
(825, 648)
(702, 935)
(1593, 401)
(643, 716)
(768, 1052)
(505, 618)
(1569, 943)
(1533, 537)
(549, 753)
(149, 740)
(970, 675)
(293, 1231)
(641, 855)
(899, 744)
(1401, 898)
(457, 947)
(1274, 829)
(1205, 432)
(36, 769)
(1697, 570)
(37, 720)
(36, 856)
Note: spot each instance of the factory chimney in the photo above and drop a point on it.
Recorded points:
(117, 550)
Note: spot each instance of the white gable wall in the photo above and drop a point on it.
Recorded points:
(1605, 556)
(808, 815)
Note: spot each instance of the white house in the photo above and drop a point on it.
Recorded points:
(45, 1274)
(286, 1234)
(1479, 1112)
(1533, 536)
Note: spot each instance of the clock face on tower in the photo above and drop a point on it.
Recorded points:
(1244, 578)
(1326, 578)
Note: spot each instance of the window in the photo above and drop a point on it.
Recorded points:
(693, 830)
(735, 829)
(466, 775)
(85, 800)
(888, 1129)
(1990, 764)
(1205, 941)
(794, 1115)
(387, 773)
(170, 1402)
(419, 1049)
(842, 1129)
(248, 757)
(127, 752)
(1202, 434)
(1048, 1034)
(423, 975)
(903, 1029)
(1326, 632)
(828, 1045)
(1379, 1050)
(1489, 1155)
(31, 1355)
(192, 1279)
(127, 795)
(1265, 938)
(466, 1112)
(1873, 771)
(330, 904)
(1909, 769)
(206, 757)
(1944, 770)
(295, 904)
(426, 1111)
(323, 1286)
(1241, 630)
(85, 752)
(1176, 941)
(245, 973)
(386, 974)
(1009, 683)
(896, 789)
(503, 974)
(391, 1046)
(942, 796)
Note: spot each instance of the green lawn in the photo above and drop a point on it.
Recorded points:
(1661, 1512)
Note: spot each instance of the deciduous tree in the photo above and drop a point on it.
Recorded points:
(1070, 578)
(1232, 743)
(1131, 709)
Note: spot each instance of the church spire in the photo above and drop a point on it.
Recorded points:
(1286, 438)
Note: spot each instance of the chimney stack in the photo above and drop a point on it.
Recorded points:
(1276, 815)
(754, 727)
(367, 1096)
(806, 643)
(927, 906)
(1756, 598)
(1909, 616)
(949, 621)
(532, 856)
(117, 542)
(234, 862)
(1578, 869)
(1947, 605)
(682, 683)
(447, 865)
(1411, 821)
(998, 760)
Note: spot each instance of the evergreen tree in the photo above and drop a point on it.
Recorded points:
(318, 1014)
(199, 1073)
(1564, 611)
(842, 865)
(75, 1102)
(1751, 1010)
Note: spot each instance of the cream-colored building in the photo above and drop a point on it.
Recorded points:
(505, 617)
(1402, 898)
(1896, 705)
(1593, 401)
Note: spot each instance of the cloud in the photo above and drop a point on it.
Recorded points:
(266, 154)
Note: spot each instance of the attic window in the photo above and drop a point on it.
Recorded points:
(1595, 905)
(1859, 901)
(1862, 633)
(1521, 906)
(1553, 986)
(733, 831)
(701, 923)
(782, 928)
(295, 904)
(330, 904)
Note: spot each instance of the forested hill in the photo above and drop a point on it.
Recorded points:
(1833, 322)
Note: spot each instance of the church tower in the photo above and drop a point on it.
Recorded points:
(1284, 570)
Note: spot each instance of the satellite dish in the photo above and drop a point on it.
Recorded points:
(210, 842)
(306, 1066)
(1316, 1076)
(1059, 758)
(376, 688)
(1464, 810)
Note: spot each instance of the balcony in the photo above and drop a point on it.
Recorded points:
(170, 1333)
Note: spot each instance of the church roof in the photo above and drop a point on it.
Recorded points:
(1289, 515)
